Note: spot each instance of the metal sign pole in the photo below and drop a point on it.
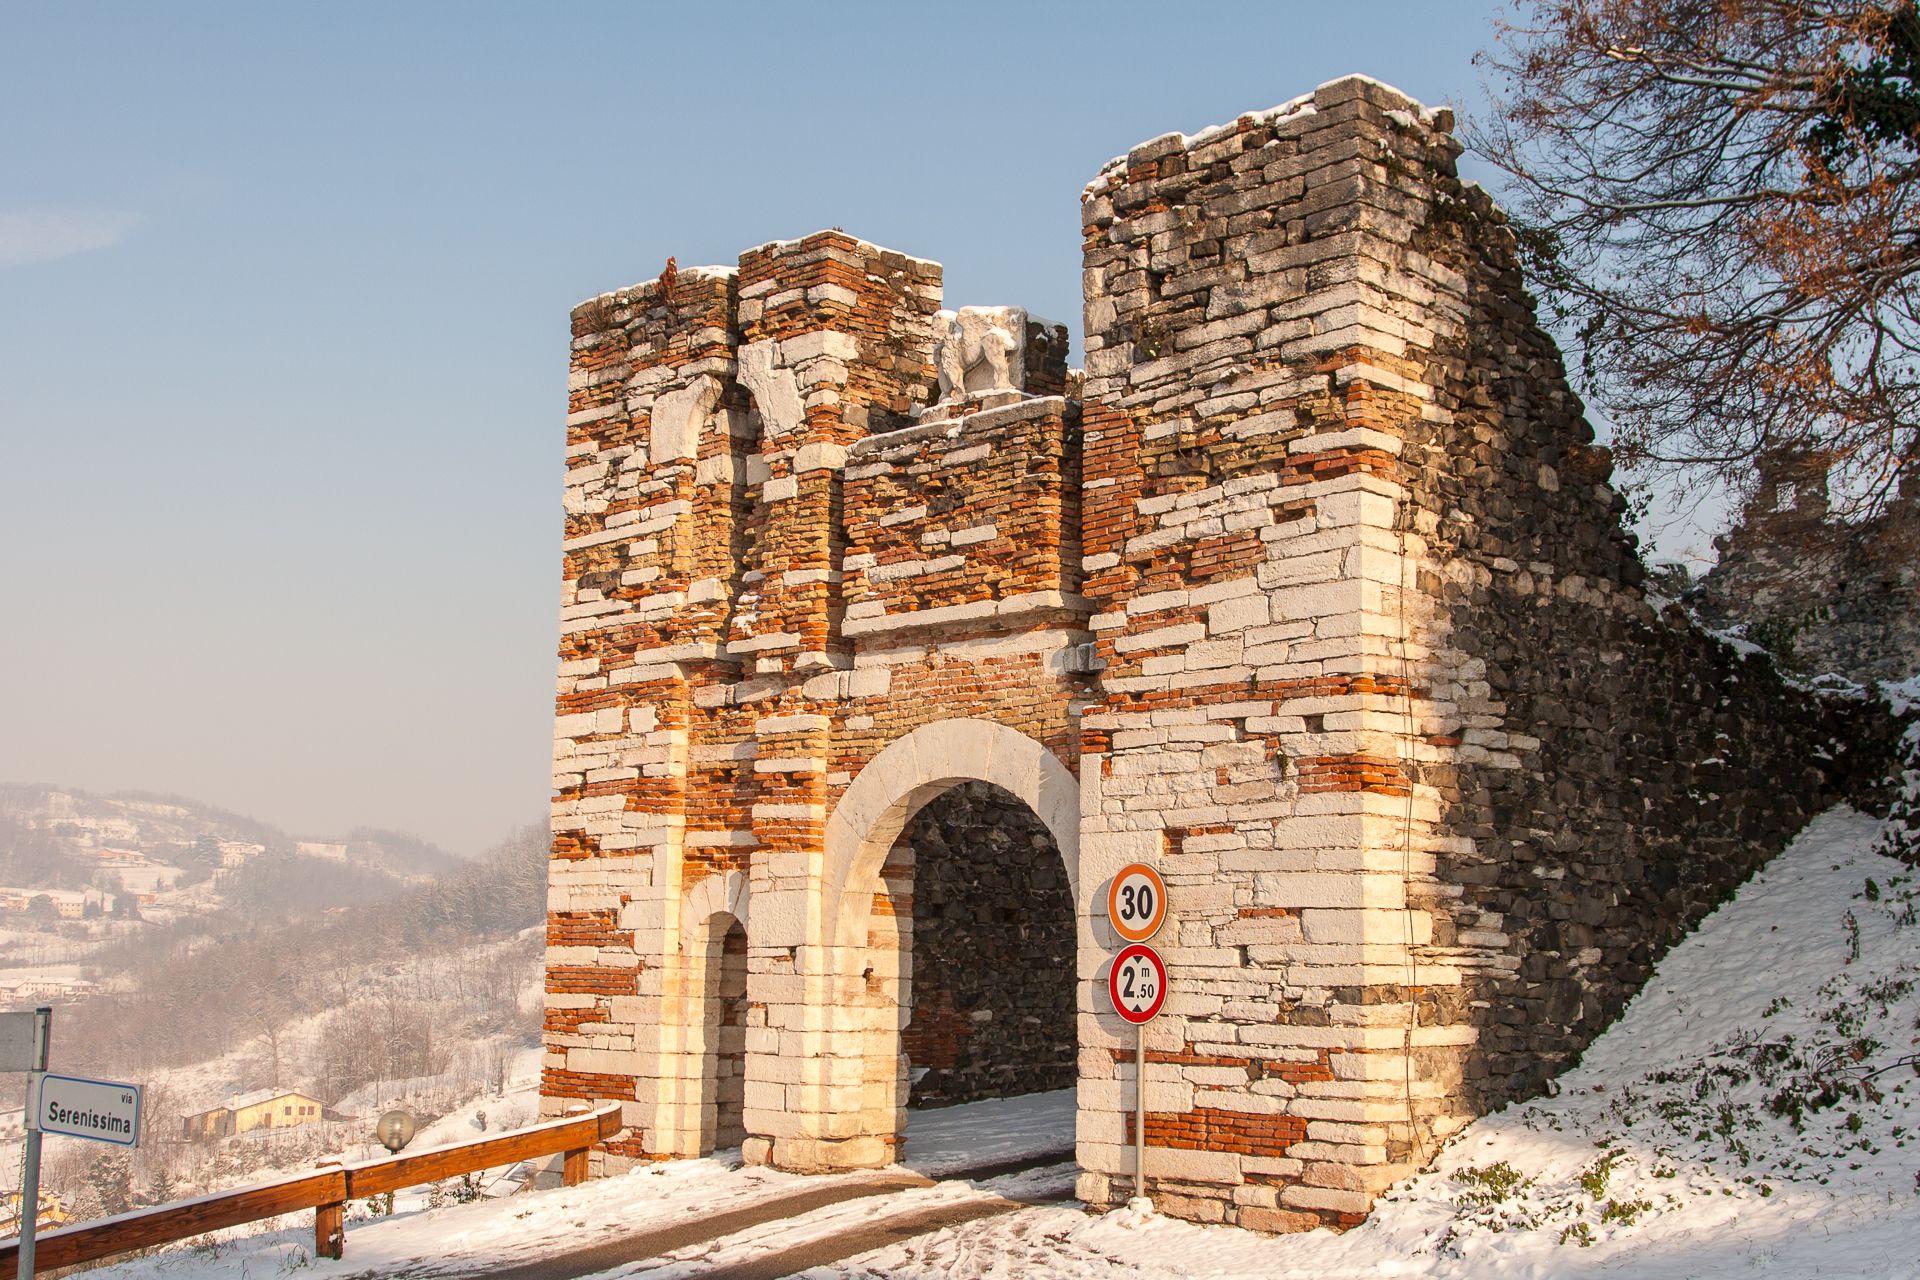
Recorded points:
(30, 1182)
(1139, 1111)
(1136, 908)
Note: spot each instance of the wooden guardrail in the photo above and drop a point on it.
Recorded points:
(326, 1191)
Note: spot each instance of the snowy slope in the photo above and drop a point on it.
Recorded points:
(1672, 1151)
(1752, 1114)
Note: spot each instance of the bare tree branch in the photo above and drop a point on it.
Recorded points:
(1717, 205)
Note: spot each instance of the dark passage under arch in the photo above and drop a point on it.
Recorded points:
(993, 952)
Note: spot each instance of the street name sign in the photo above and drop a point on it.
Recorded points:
(1137, 902)
(103, 1110)
(1138, 984)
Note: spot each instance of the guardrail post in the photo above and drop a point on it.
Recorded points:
(330, 1223)
(573, 1164)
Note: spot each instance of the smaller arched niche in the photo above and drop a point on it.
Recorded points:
(715, 948)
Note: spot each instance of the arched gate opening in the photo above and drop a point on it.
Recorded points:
(726, 1019)
(715, 1027)
(991, 990)
(954, 861)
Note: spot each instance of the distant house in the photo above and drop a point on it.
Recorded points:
(260, 1109)
(330, 849)
(52, 1212)
(234, 853)
(217, 1123)
(120, 857)
(23, 987)
(67, 904)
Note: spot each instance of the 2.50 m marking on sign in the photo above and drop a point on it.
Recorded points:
(1138, 983)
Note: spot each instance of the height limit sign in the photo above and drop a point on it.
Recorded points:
(1138, 983)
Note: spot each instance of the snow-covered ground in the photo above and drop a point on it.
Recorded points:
(1752, 1114)
(949, 1139)
(1722, 1127)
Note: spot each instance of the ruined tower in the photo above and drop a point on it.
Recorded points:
(1314, 596)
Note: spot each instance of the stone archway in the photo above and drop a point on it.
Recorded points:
(913, 770)
(866, 931)
(992, 990)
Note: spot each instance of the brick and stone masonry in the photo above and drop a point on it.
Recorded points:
(1826, 592)
(1312, 592)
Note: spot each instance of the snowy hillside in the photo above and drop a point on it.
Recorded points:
(420, 995)
(1753, 1114)
(84, 875)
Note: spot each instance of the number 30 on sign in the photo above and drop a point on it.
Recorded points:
(1138, 983)
(1137, 902)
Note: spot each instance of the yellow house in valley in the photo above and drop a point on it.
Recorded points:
(260, 1109)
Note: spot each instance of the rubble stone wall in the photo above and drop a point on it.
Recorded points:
(1610, 772)
(993, 944)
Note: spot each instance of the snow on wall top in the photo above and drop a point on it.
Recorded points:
(1300, 106)
(701, 273)
(784, 246)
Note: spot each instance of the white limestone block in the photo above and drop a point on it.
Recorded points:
(678, 419)
(776, 392)
(821, 456)
(978, 533)
(1218, 1167)
(828, 344)
(803, 723)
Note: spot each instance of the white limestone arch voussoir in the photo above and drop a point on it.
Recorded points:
(713, 896)
(913, 770)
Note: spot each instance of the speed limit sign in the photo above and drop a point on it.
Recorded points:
(1137, 902)
(1138, 983)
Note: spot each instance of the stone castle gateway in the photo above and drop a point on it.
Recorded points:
(886, 639)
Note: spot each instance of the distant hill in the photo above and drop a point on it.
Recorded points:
(92, 885)
(420, 994)
(186, 993)
(158, 848)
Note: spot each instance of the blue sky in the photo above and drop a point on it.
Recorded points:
(283, 325)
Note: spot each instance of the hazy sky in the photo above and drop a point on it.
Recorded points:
(283, 325)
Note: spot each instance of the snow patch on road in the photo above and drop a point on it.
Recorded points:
(946, 1140)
